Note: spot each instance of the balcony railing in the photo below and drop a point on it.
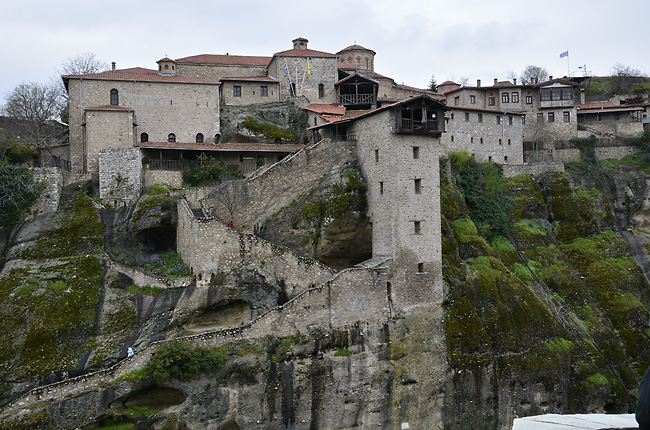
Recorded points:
(175, 165)
(419, 126)
(356, 99)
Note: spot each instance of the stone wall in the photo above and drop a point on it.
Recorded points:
(250, 92)
(173, 178)
(214, 72)
(184, 109)
(353, 295)
(142, 278)
(269, 190)
(106, 129)
(324, 70)
(52, 178)
(209, 247)
(479, 133)
(120, 175)
(405, 216)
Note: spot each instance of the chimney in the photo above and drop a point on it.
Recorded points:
(514, 81)
(113, 65)
(495, 81)
(582, 96)
(478, 82)
(550, 78)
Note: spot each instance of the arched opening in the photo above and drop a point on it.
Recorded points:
(199, 138)
(171, 137)
(144, 137)
(114, 97)
(321, 91)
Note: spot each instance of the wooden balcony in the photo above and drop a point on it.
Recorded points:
(414, 126)
(356, 99)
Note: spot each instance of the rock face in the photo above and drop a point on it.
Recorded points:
(551, 317)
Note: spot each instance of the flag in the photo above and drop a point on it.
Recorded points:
(564, 54)
(286, 68)
(308, 68)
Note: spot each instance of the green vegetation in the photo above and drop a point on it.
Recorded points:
(57, 286)
(156, 196)
(177, 360)
(270, 131)
(208, 169)
(597, 379)
(143, 290)
(17, 192)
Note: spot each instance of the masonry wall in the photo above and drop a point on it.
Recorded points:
(107, 129)
(214, 72)
(161, 108)
(52, 178)
(388, 162)
(173, 178)
(208, 246)
(268, 191)
(488, 140)
(324, 70)
(250, 92)
(120, 175)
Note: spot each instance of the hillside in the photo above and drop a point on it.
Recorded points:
(546, 310)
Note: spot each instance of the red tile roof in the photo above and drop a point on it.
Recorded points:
(224, 147)
(355, 47)
(331, 109)
(252, 78)
(138, 74)
(303, 53)
(165, 59)
(225, 59)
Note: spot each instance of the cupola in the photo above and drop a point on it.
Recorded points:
(166, 66)
(300, 43)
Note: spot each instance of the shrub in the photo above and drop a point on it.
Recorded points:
(177, 360)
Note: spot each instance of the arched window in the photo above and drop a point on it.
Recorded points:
(144, 137)
(114, 98)
(199, 138)
(321, 91)
(171, 137)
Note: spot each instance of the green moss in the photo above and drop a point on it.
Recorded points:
(26, 290)
(597, 379)
(560, 345)
(57, 286)
(342, 352)
(268, 130)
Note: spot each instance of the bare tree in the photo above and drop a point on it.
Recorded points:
(31, 109)
(231, 196)
(511, 76)
(624, 79)
(82, 64)
(463, 81)
(534, 74)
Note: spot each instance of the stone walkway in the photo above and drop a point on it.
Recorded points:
(579, 421)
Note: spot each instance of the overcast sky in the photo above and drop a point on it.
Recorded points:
(413, 39)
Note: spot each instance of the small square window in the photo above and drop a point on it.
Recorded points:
(529, 100)
(566, 116)
(416, 152)
(376, 155)
(236, 91)
(540, 117)
(472, 99)
(264, 91)
(551, 117)
(491, 101)
(457, 100)
(466, 116)
(515, 97)
(420, 267)
(480, 117)
(505, 97)
(510, 120)
(417, 228)
(381, 188)
(418, 186)
(498, 119)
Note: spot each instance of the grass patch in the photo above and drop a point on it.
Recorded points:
(26, 290)
(57, 286)
(560, 345)
(597, 379)
(342, 352)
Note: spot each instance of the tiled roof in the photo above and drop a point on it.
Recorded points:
(225, 59)
(165, 59)
(253, 78)
(225, 147)
(108, 107)
(355, 47)
(352, 76)
(138, 74)
(303, 53)
(327, 109)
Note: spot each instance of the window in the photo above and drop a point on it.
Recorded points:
(491, 101)
(546, 94)
(144, 137)
(264, 91)
(166, 66)
(381, 188)
(509, 142)
(321, 91)
(480, 117)
(466, 116)
(505, 158)
(498, 119)
(367, 64)
(529, 100)
(523, 119)
(452, 137)
(457, 100)
(490, 158)
(452, 115)
(481, 141)
(510, 120)
(114, 97)
(472, 99)
(376, 155)
(171, 137)
(417, 229)
(566, 116)
(515, 97)
(236, 91)
(551, 117)
(416, 152)
(500, 142)
(420, 267)
(567, 94)
(617, 116)
(471, 139)
(540, 117)
(199, 138)
(563, 93)
(505, 97)
(418, 186)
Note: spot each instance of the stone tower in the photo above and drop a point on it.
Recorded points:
(356, 55)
